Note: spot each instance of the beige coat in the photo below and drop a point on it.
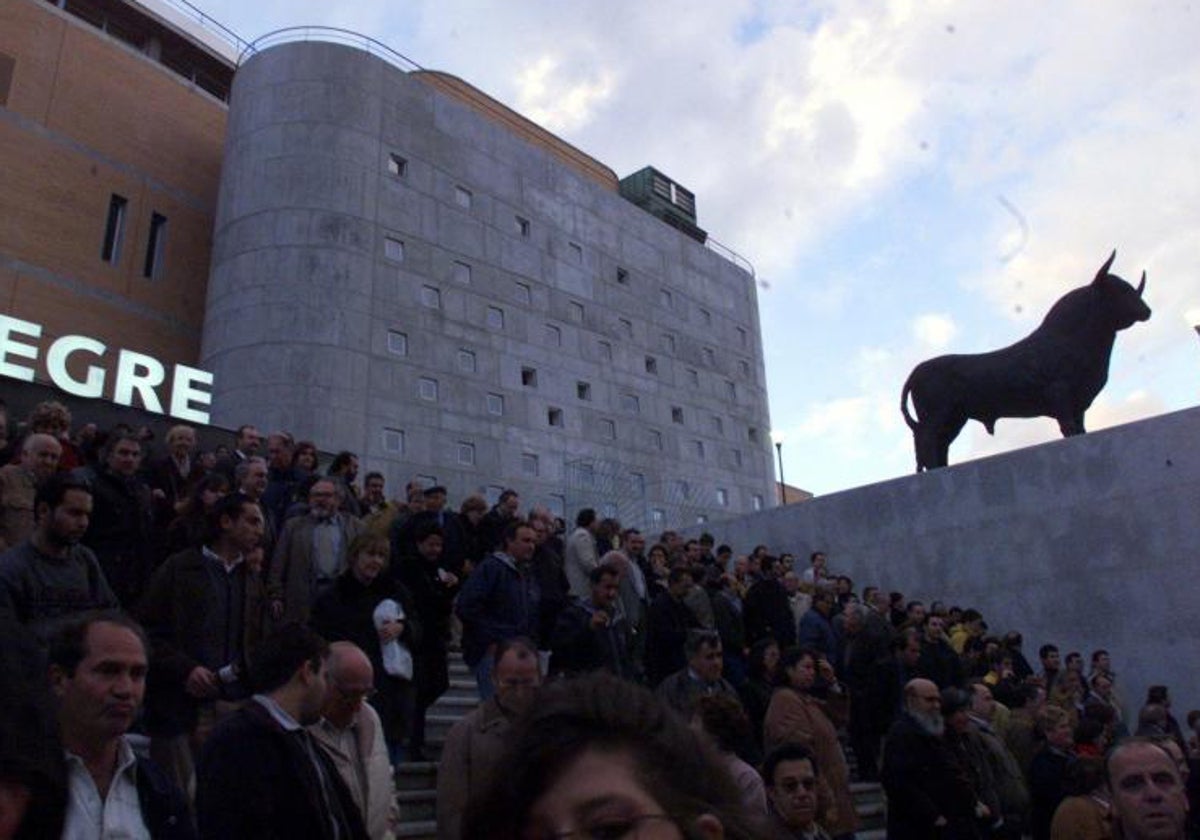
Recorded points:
(469, 760)
(796, 717)
(17, 491)
(290, 577)
(377, 801)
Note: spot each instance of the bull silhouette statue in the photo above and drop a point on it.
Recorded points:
(1056, 371)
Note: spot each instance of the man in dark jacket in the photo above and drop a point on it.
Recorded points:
(816, 629)
(500, 600)
(767, 611)
(927, 796)
(592, 634)
(262, 776)
(667, 623)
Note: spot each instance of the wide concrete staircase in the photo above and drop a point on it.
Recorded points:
(416, 782)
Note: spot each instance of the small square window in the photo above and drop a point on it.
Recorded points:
(463, 197)
(652, 365)
(431, 296)
(495, 318)
(752, 434)
(676, 414)
(731, 389)
(524, 294)
(608, 510)
(680, 489)
(668, 343)
(114, 229)
(608, 429)
(466, 361)
(529, 377)
(397, 166)
(529, 464)
(736, 454)
(744, 369)
(605, 350)
(626, 327)
(427, 388)
(710, 357)
(657, 516)
(156, 245)
(397, 343)
(393, 249)
(466, 453)
(693, 376)
(722, 497)
(495, 404)
(665, 298)
(622, 276)
(583, 390)
(698, 449)
(637, 483)
(706, 317)
(717, 425)
(757, 502)
(743, 336)
(426, 480)
(553, 335)
(554, 416)
(575, 312)
(576, 251)
(654, 438)
(393, 441)
(630, 403)
(701, 519)
(557, 505)
(521, 225)
(587, 475)
(460, 272)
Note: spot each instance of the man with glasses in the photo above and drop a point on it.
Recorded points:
(350, 733)
(790, 775)
(475, 744)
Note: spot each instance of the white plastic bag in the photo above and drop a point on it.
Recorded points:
(397, 660)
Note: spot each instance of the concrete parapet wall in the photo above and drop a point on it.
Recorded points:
(1088, 542)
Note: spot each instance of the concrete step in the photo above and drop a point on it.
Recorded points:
(417, 806)
(416, 775)
(424, 830)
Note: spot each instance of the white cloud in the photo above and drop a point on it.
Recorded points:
(934, 330)
(548, 95)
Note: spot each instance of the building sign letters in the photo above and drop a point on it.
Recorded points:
(190, 392)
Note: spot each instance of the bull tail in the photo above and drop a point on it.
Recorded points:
(904, 392)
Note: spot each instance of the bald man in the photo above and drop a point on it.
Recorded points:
(1148, 797)
(928, 795)
(18, 487)
(351, 735)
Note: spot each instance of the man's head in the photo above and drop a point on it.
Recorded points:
(280, 450)
(791, 582)
(515, 674)
(790, 775)
(1050, 658)
(40, 454)
(181, 441)
(693, 551)
(123, 454)
(1075, 661)
(822, 602)
(634, 542)
(248, 440)
(351, 680)
(935, 625)
(430, 541)
(235, 524)
(679, 582)
(324, 498)
(818, 560)
(290, 663)
(704, 654)
(63, 507)
(983, 705)
(1101, 661)
(251, 477)
(519, 541)
(907, 646)
(345, 464)
(915, 612)
(373, 489)
(605, 580)
(923, 701)
(509, 503)
(1148, 798)
(435, 498)
(586, 518)
(98, 674)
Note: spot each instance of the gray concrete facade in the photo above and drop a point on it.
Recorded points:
(1087, 542)
(397, 273)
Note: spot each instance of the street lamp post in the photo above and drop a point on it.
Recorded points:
(782, 483)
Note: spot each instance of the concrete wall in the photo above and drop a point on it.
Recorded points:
(305, 292)
(1087, 542)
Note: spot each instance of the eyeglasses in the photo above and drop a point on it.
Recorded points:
(609, 828)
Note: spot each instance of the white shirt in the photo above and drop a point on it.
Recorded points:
(118, 816)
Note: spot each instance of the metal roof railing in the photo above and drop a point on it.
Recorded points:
(329, 34)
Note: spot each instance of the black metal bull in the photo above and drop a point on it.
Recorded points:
(1056, 371)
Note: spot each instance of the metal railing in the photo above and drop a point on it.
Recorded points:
(329, 34)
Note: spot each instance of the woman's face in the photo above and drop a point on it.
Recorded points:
(208, 498)
(771, 659)
(474, 517)
(1060, 735)
(306, 459)
(800, 676)
(368, 564)
(658, 558)
(598, 795)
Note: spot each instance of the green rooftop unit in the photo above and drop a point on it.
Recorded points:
(659, 196)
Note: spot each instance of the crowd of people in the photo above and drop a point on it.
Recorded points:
(239, 643)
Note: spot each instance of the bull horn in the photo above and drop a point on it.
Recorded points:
(1142, 285)
(1104, 268)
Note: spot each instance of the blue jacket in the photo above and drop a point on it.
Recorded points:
(817, 632)
(498, 601)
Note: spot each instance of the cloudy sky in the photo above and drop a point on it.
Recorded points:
(907, 178)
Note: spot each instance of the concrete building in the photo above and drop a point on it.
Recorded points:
(406, 268)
